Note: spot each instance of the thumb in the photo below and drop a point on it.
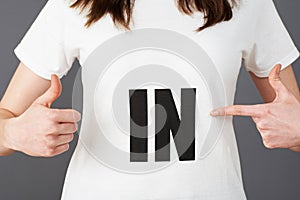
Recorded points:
(52, 93)
(274, 79)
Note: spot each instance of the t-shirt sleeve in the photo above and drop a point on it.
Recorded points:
(270, 43)
(42, 48)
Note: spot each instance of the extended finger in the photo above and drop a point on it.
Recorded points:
(64, 139)
(239, 110)
(64, 115)
(65, 128)
(61, 149)
(61, 128)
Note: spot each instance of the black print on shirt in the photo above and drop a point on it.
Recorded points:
(183, 129)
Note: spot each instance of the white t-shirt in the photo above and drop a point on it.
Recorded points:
(161, 61)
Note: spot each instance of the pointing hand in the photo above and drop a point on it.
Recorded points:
(278, 121)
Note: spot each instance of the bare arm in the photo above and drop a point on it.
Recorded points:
(276, 120)
(25, 114)
(23, 89)
(287, 77)
(4, 114)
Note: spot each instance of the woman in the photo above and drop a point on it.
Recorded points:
(109, 165)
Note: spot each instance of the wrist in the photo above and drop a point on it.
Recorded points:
(6, 146)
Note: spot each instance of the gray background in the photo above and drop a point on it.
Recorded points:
(268, 174)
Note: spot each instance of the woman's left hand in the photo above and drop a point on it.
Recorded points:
(278, 122)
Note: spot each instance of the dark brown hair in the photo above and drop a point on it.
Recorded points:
(214, 11)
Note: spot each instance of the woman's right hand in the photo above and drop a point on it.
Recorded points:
(41, 130)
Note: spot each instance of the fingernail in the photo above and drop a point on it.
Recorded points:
(77, 116)
(278, 69)
(214, 113)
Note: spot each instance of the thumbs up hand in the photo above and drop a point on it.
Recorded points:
(278, 121)
(41, 130)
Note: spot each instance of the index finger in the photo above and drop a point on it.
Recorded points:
(238, 110)
(66, 115)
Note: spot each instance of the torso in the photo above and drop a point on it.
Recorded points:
(112, 65)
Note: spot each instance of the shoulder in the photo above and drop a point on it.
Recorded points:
(61, 13)
(252, 9)
(59, 7)
(253, 4)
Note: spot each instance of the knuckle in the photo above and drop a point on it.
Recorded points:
(269, 145)
(49, 152)
(255, 119)
(53, 128)
(50, 141)
(48, 114)
(267, 137)
(262, 125)
(237, 109)
(71, 127)
(52, 114)
(49, 125)
(268, 141)
(259, 125)
(265, 111)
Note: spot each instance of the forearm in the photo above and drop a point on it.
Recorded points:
(4, 116)
(266, 91)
